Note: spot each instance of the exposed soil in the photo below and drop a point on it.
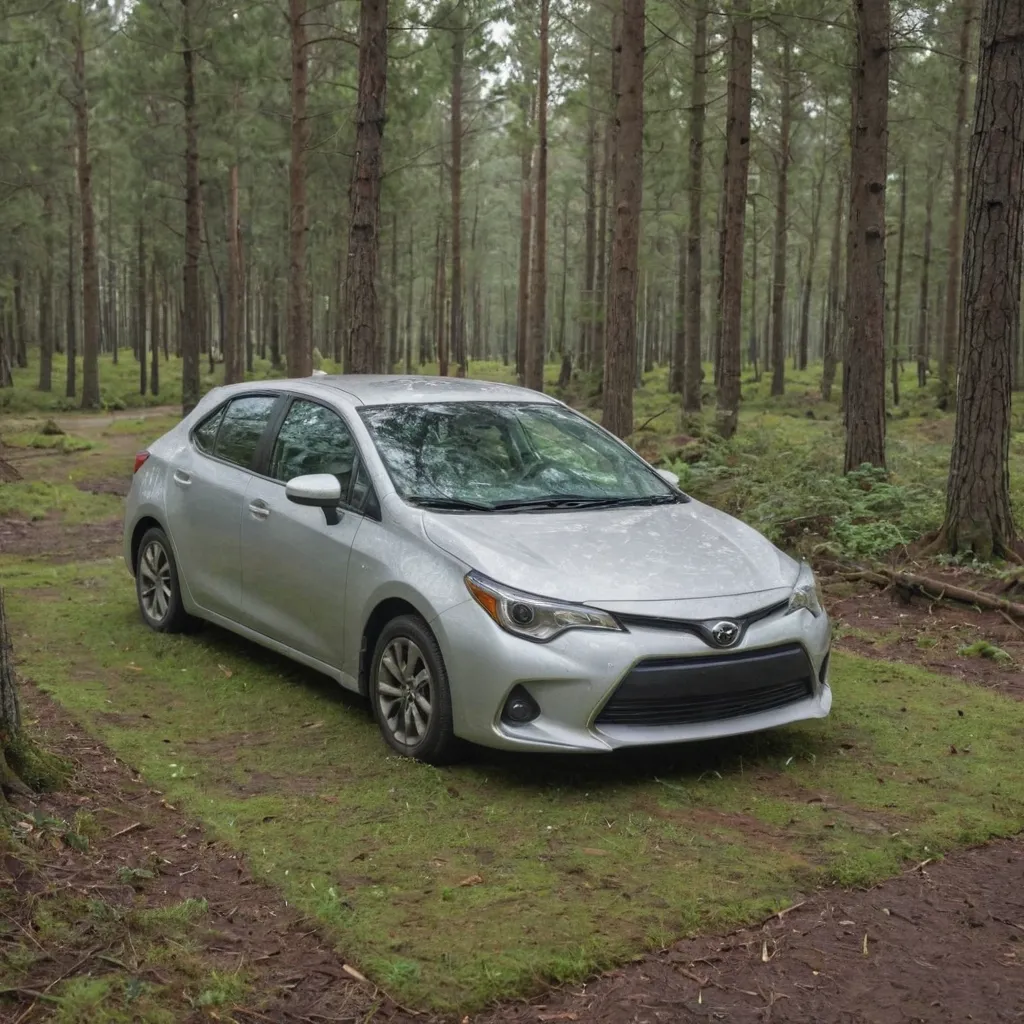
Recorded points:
(945, 942)
(59, 542)
(883, 624)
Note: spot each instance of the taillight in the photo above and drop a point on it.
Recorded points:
(140, 458)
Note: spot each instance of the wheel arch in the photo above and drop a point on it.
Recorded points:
(146, 522)
(383, 613)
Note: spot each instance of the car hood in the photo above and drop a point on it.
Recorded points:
(654, 553)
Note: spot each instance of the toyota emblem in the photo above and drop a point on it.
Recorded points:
(725, 633)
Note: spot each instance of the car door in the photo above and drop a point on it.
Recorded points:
(294, 563)
(206, 495)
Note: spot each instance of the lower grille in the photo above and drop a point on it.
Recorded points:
(683, 691)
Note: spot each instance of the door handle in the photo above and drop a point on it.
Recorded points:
(182, 479)
(259, 509)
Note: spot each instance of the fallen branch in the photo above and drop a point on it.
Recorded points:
(936, 590)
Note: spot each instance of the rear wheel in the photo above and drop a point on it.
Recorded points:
(409, 692)
(157, 586)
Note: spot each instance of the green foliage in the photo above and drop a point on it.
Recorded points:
(983, 649)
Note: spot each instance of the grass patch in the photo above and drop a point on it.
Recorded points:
(36, 499)
(533, 869)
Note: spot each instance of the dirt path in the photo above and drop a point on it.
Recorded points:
(944, 942)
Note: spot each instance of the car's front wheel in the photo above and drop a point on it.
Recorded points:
(157, 586)
(409, 692)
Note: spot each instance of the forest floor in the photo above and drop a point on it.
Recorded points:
(233, 821)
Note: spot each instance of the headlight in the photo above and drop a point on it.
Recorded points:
(806, 593)
(531, 617)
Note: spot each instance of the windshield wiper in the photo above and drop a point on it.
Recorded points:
(447, 504)
(556, 501)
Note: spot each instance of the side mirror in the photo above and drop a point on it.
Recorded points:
(669, 477)
(319, 490)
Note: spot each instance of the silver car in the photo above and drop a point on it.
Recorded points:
(478, 560)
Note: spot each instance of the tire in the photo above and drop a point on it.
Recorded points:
(405, 650)
(157, 587)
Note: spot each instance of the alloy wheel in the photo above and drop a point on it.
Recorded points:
(155, 581)
(404, 691)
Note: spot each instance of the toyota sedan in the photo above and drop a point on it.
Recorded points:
(479, 561)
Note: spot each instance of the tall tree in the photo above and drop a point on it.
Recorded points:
(458, 330)
(620, 343)
(365, 343)
(979, 519)
(232, 343)
(897, 301)
(950, 328)
(537, 340)
(829, 344)
(90, 265)
(191, 324)
(693, 373)
(781, 223)
(298, 348)
(525, 228)
(734, 204)
(864, 380)
(923, 308)
(46, 318)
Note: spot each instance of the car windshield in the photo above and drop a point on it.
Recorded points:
(494, 456)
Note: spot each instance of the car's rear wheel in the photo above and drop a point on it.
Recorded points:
(157, 586)
(409, 692)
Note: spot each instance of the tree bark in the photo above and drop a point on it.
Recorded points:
(525, 232)
(950, 323)
(10, 710)
(458, 339)
(678, 374)
(620, 346)
(693, 373)
(781, 226)
(140, 307)
(365, 343)
(864, 380)
(832, 325)
(803, 341)
(191, 323)
(70, 382)
(979, 519)
(232, 345)
(46, 321)
(923, 308)
(587, 309)
(154, 318)
(90, 267)
(737, 162)
(20, 324)
(537, 337)
(298, 349)
(898, 297)
(393, 353)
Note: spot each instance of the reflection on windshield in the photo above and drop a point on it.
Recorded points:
(472, 456)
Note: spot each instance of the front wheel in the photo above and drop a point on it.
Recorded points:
(157, 586)
(409, 692)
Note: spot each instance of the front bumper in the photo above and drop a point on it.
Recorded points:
(581, 674)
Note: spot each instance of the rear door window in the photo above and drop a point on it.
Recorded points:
(240, 431)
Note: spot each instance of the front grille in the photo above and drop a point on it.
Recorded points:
(683, 691)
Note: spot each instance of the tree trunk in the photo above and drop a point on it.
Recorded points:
(600, 265)
(737, 162)
(923, 319)
(46, 323)
(154, 326)
(20, 325)
(457, 346)
(90, 267)
(979, 519)
(393, 353)
(832, 325)
(191, 324)
(232, 344)
(525, 231)
(586, 316)
(365, 348)
(620, 347)
(409, 303)
(72, 314)
(678, 373)
(898, 297)
(950, 323)
(803, 342)
(140, 307)
(10, 711)
(537, 337)
(781, 227)
(298, 350)
(864, 380)
(693, 373)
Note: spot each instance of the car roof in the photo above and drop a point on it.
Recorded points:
(388, 389)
